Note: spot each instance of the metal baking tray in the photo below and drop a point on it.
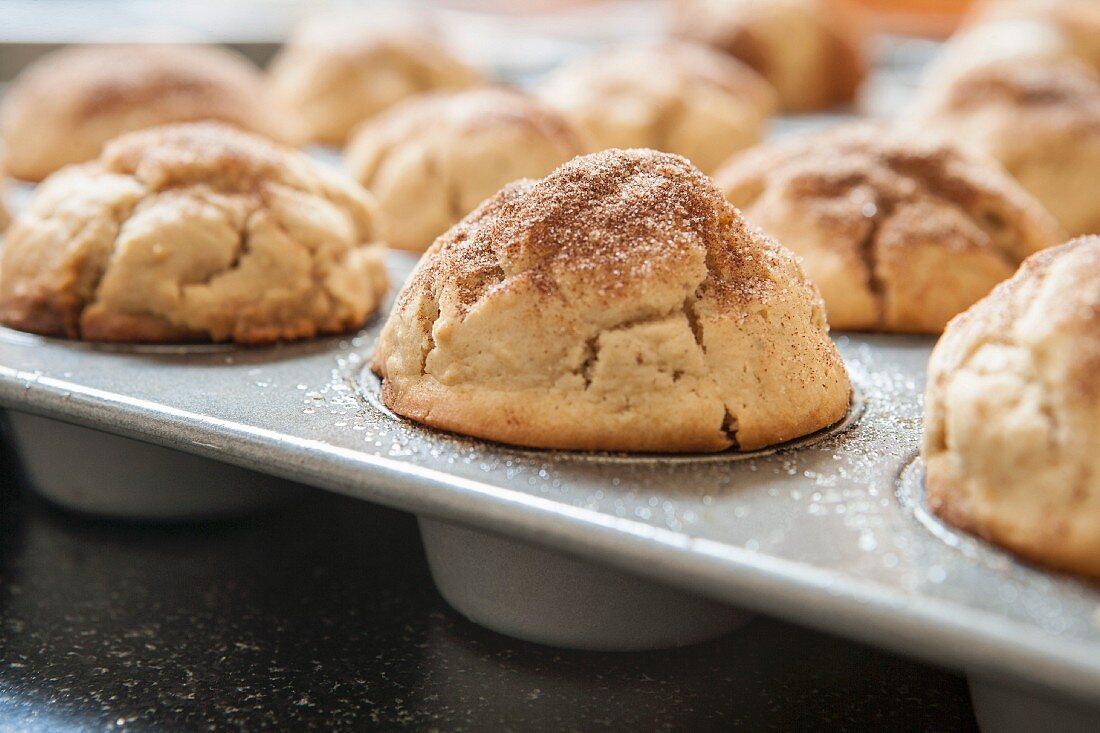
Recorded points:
(609, 550)
(596, 550)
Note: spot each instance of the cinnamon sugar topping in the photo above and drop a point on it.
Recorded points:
(620, 303)
(862, 174)
(1058, 85)
(601, 224)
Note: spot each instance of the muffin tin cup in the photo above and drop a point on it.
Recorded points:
(531, 593)
(110, 476)
(1003, 704)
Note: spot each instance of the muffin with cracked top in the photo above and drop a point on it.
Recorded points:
(809, 50)
(1075, 23)
(64, 107)
(1012, 413)
(338, 70)
(677, 97)
(1039, 117)
(900, 232)
(433, 158)
(193, 232)
(619, 303)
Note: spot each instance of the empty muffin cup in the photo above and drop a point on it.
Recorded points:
(93, 472)
(522, 590)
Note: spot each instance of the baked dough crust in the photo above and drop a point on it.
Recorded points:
(193, 232)
(433, 158)
(807, 49)
(336, 72)
(1012, 412)
(64, 107)
(899, 232)
(1039, 117)
(620, 303)
(676, 97)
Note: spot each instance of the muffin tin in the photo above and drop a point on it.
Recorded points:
(585, 550)
(588, 550)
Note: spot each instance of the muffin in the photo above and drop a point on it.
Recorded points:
(809, 50)
(997, 40)
(1039, 118)
(335, 72)
(65, 106)
(433, 158)
(620, 303)
(1077, 21)
(674, 97)
(900, 233)
(1012, 412)
(193, 232)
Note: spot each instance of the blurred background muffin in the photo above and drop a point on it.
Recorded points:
(676, 97)
(434, 157)
(900, 233)
(809, 50)
(65, 106)
(1013, 29)
(1012, 409)
(338, 70)
(1078, 21)
(1040, 117)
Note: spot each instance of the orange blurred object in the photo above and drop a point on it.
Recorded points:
(938, 18)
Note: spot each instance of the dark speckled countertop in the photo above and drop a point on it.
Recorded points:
(323, 617)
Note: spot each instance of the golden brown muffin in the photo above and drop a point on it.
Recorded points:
(674, 97)
(1077, 21)
(900, 233)
(1039, 118)
(620, 303)
(1012, 412)
(433, 158)
(65, 106)
(334, 73)
(1023, 31)
(809, 50)
(979, 45)
(193, 232)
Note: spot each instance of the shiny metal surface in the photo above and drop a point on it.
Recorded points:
(110, 476)
(539, 595)
(831, 534)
